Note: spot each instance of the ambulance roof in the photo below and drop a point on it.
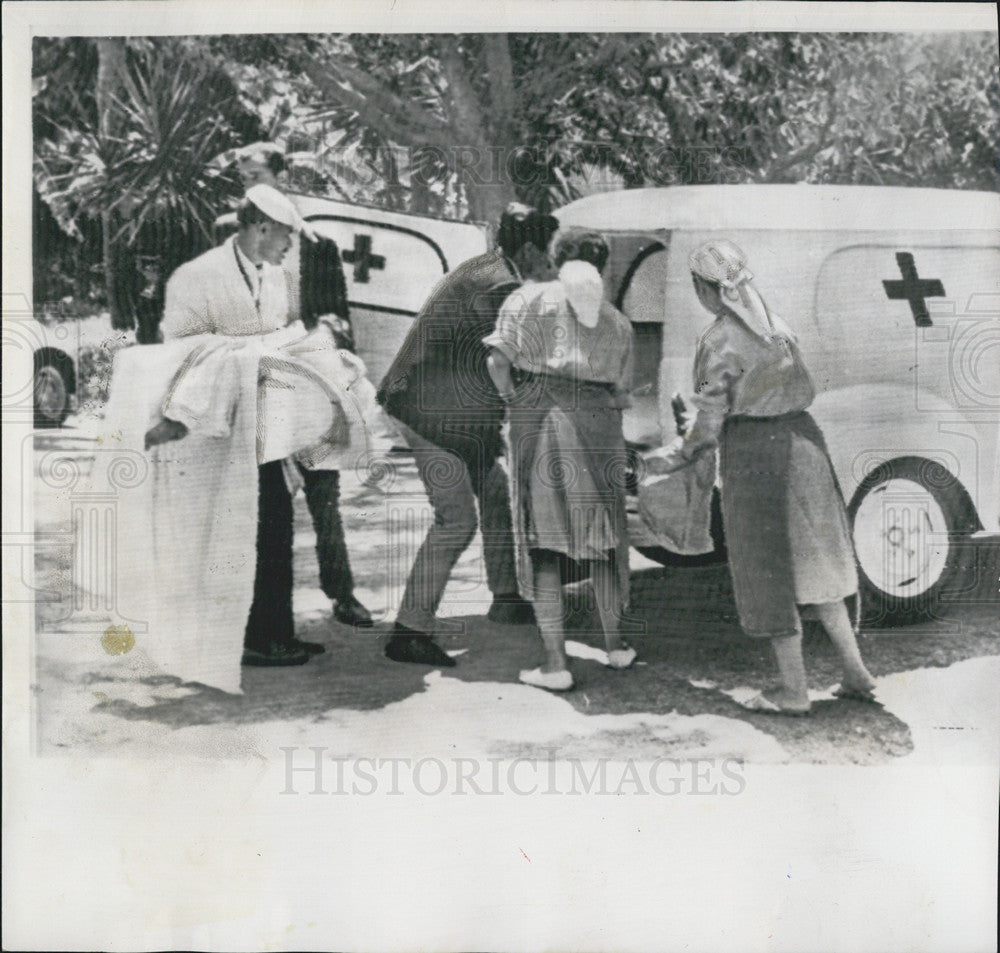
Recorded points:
(793, 207)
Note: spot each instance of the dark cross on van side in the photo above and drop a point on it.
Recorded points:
(362, 258)
(914, 289)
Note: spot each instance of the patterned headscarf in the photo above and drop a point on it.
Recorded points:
(724, 264)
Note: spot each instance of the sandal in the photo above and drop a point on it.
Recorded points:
(761, 703)
(553, 681)
(856, 694)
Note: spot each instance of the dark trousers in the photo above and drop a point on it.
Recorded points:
(270, 619)
(454, 489)
(322, 489)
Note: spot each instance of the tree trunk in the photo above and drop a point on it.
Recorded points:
(483, 146)
(420, 198)
(110, 67)
(487, 201)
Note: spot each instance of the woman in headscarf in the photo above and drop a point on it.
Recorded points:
(571, 353)
(784, 517)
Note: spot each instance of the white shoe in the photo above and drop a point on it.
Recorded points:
(622, 658)
(554, 681)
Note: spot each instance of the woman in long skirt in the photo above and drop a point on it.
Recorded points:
(786, 526)
(571, 354)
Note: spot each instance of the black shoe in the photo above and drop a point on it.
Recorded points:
(408, 646)
(511, 609)
(277, 653)
(350, 612)
(312, 648)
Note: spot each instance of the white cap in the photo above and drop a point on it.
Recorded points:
(279, 208)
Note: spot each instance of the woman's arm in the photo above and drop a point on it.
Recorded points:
(714, 369)
(626, 380)
(498, 364)
(503, 343)
(716, 365)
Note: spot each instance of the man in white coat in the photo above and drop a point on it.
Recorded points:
(238, 290)
(317, 293)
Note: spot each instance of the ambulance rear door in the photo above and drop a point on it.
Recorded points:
(635, 282)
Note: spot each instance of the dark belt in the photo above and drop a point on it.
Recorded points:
(776, 418)
(520, 377)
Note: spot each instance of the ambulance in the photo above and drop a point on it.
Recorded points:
(894, 294)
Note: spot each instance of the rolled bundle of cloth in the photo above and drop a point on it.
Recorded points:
(184, 538)
(314, 401)
(677, 506)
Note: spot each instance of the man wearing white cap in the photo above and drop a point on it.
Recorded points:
(238, 289)
(317, 293)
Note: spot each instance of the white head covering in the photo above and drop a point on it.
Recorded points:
(724, 264)
(279, 208)
(584, 290)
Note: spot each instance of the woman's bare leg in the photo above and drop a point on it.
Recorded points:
(794, 692)
(549, 610)
(837, 623)
(604, 579)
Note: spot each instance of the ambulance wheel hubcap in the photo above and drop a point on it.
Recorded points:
(901, 538)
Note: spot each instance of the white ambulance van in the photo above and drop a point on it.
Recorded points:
(895, 296)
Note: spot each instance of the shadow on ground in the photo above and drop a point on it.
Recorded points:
(684, 628)
(687, 632)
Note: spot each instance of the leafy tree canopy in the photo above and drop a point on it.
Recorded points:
(460, 124)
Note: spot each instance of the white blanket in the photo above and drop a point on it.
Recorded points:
(314, 401)
(185, 551)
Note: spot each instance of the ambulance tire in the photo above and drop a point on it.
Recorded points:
(54, 381)
(665, 557)
(908, 518)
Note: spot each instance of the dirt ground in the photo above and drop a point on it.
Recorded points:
(674, 702)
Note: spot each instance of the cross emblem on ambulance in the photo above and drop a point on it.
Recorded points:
(913, 289)
(363, 260)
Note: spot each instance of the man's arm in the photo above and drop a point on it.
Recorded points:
(185, 311)
(503, 342)
(184, 315)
